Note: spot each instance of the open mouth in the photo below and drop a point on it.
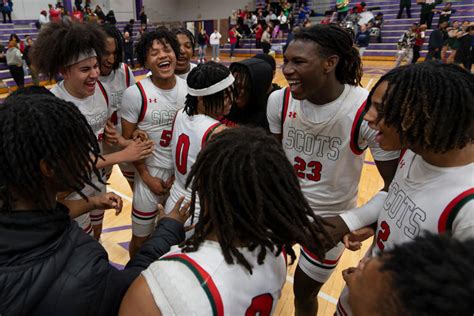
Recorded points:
(165, 65)
(294, 84)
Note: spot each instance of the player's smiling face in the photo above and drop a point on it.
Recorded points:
(303, 69)
(387, 136)
(185, 53)
(108, 58)
(80, 78)
(161, 60)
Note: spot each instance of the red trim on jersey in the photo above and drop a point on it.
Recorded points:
(209, 132)
(144, 102)
(325, 261)
(205, 280)
(341, 309)
(284, 107)
(143, 215)
(114, 118)
(446, 219)
(127, 75)
(104, 93)
(88, 229)
(283, 252)
(359, 118)
(402, 153)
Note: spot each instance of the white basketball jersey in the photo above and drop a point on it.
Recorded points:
(190, 134)
(95, 110)
(154, 109)
(202, 283)
(327, 156)
(435, 199)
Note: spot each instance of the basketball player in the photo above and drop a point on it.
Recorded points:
(432, 275)
(116, 77)
(74, 50)
(319, 120)
(186, 52)
(233, 264)
(151, 105)
(433, 189)
(210, 95)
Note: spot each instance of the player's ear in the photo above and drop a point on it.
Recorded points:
(46, 169)
(331, 63)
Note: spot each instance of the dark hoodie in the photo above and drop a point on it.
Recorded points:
(49, 266)
(255, 111)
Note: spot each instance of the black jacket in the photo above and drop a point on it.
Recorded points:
(49, 266)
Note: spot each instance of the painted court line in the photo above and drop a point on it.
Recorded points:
(321, 294)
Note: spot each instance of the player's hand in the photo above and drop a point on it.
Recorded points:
(179, 212)
(137, 150)
(108, 201)
(353, 240)
(139, 134)
(169, 183)
(111, 135)
(156, 185)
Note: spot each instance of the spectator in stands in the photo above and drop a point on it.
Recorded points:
(110, 17)
(15, 63)
(405, 46)
(427, 11)
(258, 35)
(450, 43)
(77, 15)
(65, 15)
(128, 49)
(266, 39)
(378, 23)
(282, 18)
(78, 5)
(445, 14)
(362, 39)
(129, 27)
(215, 41)
(359, 7)
(202, 40)
(143, 18)
(6, 7)
(100, 14)
(54, 14)
(302, 13)
(419, 41)
(19, 43)
(232, 40)
(436, 42)
(43, 18)
(342, 7)
(404, 4)
(26, 57)
(463, 53)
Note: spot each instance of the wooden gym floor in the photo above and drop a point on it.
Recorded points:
(117, 229)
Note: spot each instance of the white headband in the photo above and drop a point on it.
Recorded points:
(82, 56)
(221, 85)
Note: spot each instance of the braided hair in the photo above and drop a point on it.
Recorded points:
(250, 195)
(29, 125)
(162, 35)
(203, 76)
(431, 105)
(112, 32)
(60, 42)
(333, 40)
(431, 276)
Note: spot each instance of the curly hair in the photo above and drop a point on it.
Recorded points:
(203, 76)
(60, 42)
(333, 40)
(162, 35)
(34, 126)
(429, 104)
(432, 276)
(249, 194)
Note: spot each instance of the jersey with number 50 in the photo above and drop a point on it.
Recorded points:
(190, 134)
(203, 283)
(153, 110)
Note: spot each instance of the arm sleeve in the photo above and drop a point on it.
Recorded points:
(463, 224)
(131, 104)
(365, 215)
(274, 108)
(367, 135)
(169, 232)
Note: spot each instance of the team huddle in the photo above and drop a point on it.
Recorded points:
(236, 193)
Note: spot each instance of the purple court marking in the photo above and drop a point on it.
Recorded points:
(117, 266)
(116, 228)
(124, 244)
(369, 162)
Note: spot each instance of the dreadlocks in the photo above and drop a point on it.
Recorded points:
(204, 76)
(333, 40)
(29, 125)
(432, 276)
(182, 30)
(162, 35)
(249, 194)
(429, 104)
(60, 42)
(112, 32)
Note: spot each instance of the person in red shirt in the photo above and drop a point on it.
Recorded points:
(232, 40)
(419, 41)
(258, 35)
(77, 15)
(54, 14)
